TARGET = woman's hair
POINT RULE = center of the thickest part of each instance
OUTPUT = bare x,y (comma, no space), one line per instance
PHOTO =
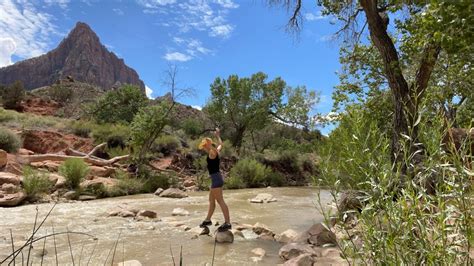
204,141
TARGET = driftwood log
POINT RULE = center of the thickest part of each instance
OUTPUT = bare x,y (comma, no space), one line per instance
73,154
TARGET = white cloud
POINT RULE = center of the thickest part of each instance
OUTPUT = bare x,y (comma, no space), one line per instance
30,29
193,15
197,107
192,47
62,3
226,3
177,56
118,11
148,92
7,48
313,17
221,30
155,3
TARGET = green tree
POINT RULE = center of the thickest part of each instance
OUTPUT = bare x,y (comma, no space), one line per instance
13,95
240,105
426,31
119,105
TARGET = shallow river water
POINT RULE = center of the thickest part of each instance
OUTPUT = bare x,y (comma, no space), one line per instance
150,241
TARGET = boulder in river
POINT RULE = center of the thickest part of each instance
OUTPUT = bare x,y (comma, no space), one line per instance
224,237
318,235
71,195
260,252
260,228
173,193
263,198
158,191
180,212
287,236
87,197
293,250
147,213
302,260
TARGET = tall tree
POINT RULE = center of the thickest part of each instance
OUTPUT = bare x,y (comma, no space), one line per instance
433,27
248,104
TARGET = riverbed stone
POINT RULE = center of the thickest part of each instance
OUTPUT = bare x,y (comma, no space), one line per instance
158,191
180,212
224,237
301,260
126,213
147,213
263,198
9,178
58,180
259,228
12,200
287,236
189,183
173,193
319,235
260,252
71,195
87,197
130,263
293,250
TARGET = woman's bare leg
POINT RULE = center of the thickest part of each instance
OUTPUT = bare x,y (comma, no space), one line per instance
217,194
212,206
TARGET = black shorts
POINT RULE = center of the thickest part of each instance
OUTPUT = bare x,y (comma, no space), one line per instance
216,180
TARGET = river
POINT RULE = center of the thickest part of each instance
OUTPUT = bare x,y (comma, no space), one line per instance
150,241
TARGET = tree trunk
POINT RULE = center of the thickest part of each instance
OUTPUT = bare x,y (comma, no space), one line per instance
406,98
238,138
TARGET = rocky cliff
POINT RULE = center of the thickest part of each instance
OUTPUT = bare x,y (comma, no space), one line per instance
80,55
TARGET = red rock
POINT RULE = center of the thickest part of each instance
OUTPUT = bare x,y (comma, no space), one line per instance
3,158
11,200
80,55
24,152
44,141
9,178
101,171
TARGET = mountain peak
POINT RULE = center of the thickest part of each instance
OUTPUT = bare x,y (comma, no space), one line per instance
80,55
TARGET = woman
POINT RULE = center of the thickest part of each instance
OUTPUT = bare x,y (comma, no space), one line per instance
217,181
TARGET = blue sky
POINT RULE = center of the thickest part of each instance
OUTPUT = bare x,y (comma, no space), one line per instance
204,38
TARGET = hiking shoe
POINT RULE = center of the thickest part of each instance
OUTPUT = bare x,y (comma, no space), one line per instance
205,224
224,227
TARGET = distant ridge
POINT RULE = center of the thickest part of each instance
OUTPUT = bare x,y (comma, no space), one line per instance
80,55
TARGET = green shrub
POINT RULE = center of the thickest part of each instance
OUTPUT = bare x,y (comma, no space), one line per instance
126,185
13,95
155,181
251,173
289,160
192,127
74,170
227,150
167,144
119,105
234,182
276,179
60,93
81,128
110,132
9,141
35,183
203,180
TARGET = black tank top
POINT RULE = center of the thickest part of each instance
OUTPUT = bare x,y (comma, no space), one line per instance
213,164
